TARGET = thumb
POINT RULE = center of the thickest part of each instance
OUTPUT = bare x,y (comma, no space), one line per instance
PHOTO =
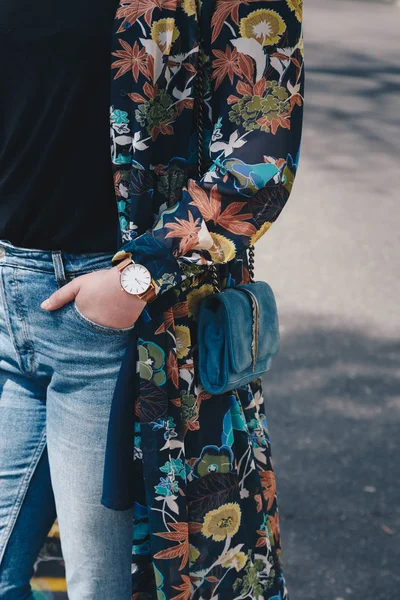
63,295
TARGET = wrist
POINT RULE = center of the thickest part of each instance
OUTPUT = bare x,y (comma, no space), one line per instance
131,299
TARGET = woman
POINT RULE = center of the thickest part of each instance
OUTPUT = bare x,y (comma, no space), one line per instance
203,503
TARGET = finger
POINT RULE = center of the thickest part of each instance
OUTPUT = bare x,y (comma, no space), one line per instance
65,294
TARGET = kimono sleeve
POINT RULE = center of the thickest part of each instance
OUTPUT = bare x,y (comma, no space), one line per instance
253,56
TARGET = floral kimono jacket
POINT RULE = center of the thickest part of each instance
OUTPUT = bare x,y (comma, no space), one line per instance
199,471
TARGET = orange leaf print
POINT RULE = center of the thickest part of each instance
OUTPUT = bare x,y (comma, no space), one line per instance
186,230
244,89
246,67
188,66
180,310
295,99
203,396
193,425
233,222
262,540
180,535
168,317
296,62
181,105
275,528
166,129
282,121
177,311
232,99
137,98
195,527
200,199
133,10
131,59
185,587
215,203
150,90
226,63
259,87
269,487
188,367
172,369
117,180
210,207
223,10
258,500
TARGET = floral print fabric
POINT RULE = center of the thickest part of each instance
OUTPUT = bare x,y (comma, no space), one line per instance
206,519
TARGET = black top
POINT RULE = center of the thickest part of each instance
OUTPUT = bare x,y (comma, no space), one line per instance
56,189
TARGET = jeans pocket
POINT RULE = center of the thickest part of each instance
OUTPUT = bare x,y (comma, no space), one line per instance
76,312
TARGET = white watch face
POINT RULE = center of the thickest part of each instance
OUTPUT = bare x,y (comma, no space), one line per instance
135,279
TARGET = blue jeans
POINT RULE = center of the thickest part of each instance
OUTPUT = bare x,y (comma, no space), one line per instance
58,371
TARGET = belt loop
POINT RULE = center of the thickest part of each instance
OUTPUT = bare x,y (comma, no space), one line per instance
58,267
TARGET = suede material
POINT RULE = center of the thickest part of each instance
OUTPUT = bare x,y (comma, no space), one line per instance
225,337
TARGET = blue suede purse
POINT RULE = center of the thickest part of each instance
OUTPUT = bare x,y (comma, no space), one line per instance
238,334
238,329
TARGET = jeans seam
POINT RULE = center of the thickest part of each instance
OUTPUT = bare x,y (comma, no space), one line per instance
22,491
27,339
58,268
8,323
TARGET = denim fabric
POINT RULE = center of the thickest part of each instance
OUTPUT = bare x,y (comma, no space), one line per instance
58,371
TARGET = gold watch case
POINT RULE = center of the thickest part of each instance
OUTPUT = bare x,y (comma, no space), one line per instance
150,293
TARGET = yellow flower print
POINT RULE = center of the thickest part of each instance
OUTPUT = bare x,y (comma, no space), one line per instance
264,25
196,296
297,6
164,33
222,522
234,559
189,7
263,229
225,248
183,340
193,554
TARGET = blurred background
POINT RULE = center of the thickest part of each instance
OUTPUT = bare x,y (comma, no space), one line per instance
333,259
333,395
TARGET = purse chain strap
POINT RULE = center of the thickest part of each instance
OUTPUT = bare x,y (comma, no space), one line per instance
199,96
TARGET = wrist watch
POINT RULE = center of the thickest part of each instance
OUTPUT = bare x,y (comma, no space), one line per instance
136,280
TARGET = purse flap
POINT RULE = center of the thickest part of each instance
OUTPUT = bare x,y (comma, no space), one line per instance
238,317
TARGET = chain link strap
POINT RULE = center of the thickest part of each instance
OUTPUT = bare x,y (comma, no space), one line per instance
252,255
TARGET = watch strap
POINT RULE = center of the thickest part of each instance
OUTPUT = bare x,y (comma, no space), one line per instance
124,263
150,294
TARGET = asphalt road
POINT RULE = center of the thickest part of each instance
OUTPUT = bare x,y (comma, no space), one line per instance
333,394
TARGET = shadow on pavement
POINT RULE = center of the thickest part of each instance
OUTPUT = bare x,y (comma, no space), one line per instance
333,405
350,96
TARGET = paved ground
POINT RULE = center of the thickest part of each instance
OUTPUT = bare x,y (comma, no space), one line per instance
333,261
